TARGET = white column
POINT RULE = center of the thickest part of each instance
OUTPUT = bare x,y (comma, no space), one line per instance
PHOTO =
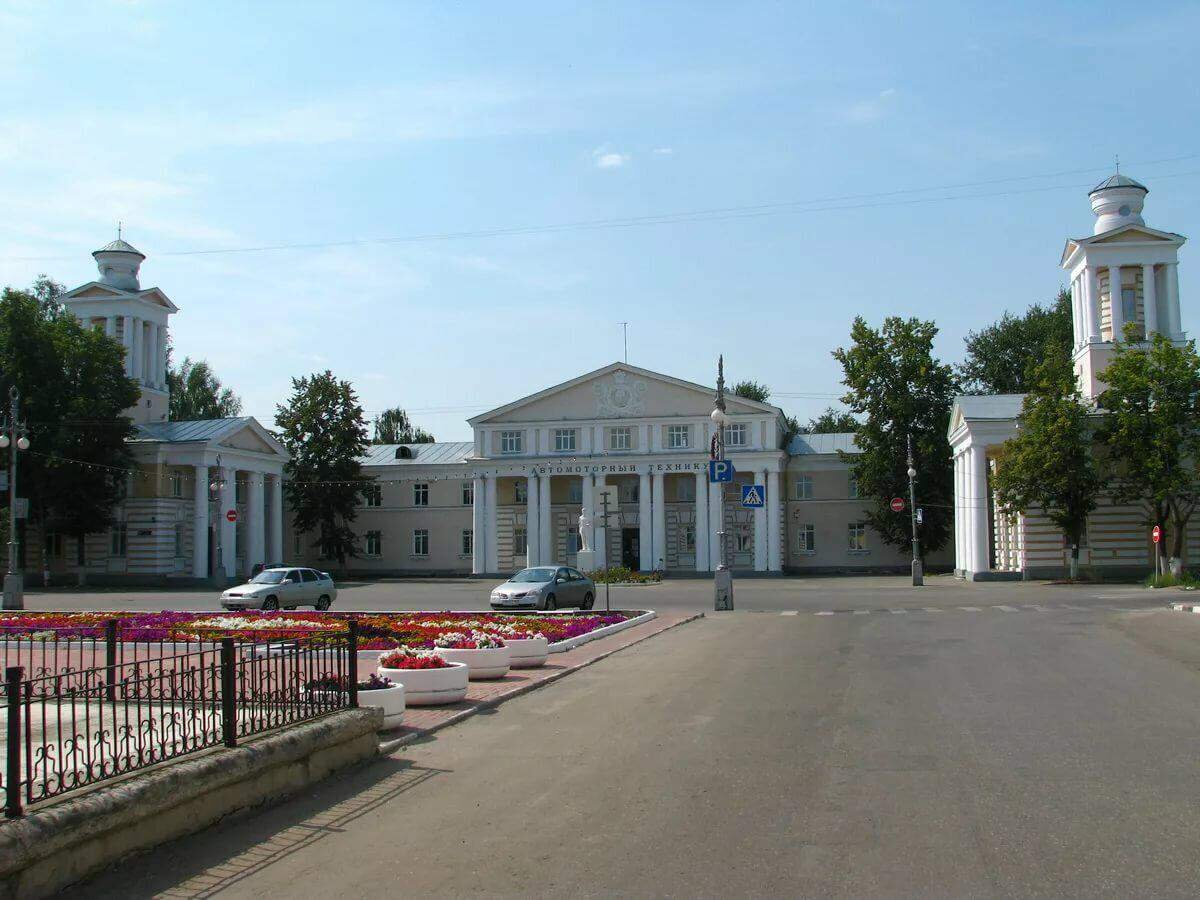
546,546
256,532
491,551
645,524
139,347
160,355
200,522
228,529
701,522
761,540
1149,300
774,538
1077,311
127,343
1091,303
978,496
532,529
478,528
659,511
275,527
1172,285
960,517
110,326
1115,309
586,498
599,532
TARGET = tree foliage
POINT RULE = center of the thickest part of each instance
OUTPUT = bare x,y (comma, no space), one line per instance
894,382
1051,462
832,421
392,426
752,390
1001,358
197,393
73,392
323,428
1151,426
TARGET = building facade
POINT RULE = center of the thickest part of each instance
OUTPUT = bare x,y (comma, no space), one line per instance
1124,285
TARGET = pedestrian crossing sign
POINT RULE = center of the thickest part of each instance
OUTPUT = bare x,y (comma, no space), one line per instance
753,495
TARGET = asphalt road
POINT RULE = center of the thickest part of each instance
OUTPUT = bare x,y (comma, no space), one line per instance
996,751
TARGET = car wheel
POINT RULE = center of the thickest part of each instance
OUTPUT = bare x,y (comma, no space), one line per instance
271,603
324,603
588,601
550,603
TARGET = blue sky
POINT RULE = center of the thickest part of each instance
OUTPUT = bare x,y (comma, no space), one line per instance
215,126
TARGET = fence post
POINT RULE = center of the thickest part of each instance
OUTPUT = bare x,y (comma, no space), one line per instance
110,660
228,693
12,769
352,649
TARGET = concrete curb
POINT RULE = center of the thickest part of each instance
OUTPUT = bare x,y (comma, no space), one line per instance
391,746
1186,607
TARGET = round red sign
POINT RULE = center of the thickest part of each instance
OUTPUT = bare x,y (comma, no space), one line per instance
1156,534
897,504
231,516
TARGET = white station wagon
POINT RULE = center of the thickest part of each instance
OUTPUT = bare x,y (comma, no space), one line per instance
282,588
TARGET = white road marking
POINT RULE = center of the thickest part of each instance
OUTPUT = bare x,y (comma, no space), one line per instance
1006,608
862,612
897,612
970,608
824,612
931,609
790,612
1035,606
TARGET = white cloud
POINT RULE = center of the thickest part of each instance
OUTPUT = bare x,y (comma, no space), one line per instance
607,158
871,110
663,151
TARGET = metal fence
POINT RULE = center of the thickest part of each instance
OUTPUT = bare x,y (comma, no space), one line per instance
78,711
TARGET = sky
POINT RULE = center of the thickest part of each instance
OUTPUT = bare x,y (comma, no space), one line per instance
873,159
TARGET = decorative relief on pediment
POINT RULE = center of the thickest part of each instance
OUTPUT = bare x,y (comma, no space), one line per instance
620,396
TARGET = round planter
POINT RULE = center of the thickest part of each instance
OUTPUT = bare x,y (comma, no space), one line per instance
430,687
528,653
390,700
482,664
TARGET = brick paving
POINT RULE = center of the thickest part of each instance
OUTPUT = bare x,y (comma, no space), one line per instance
421,720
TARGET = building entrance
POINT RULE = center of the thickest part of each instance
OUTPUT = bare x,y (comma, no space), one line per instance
631,548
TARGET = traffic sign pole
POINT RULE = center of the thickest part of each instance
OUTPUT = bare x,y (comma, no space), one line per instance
918,576
1156,536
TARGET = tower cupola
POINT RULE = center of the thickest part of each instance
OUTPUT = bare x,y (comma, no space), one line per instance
118,263
1117,201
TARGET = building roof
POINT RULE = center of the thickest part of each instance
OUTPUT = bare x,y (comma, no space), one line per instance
818,444
989,406
444,453
1118,181
187,432
119,246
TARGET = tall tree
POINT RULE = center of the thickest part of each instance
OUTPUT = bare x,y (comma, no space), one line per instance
73,393
392,426
197,393
752,390
1002,357
323,428
1051,462
894,381
832,421
1151,426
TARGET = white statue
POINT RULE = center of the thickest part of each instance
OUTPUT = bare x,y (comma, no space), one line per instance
585,528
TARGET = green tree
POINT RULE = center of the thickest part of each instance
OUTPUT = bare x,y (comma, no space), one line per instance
197,393
74,392
392,426
752,390
1151,428
896,384
1051,462
832,421
323,428
1002,357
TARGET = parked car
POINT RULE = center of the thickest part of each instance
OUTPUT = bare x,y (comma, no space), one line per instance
545,587
283,587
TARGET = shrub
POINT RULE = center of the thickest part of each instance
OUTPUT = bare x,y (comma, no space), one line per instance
1186,580
624,575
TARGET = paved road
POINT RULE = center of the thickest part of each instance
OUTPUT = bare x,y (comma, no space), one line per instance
950,753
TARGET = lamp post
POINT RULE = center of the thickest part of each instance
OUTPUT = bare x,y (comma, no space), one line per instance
918,576
723,576
13,436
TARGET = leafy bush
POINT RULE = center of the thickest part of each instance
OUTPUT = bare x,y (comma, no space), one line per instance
624,575
1186,580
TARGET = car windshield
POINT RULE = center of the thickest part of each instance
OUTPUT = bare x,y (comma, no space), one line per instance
533,576
268,577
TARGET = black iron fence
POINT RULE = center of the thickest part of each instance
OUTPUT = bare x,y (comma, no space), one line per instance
78,711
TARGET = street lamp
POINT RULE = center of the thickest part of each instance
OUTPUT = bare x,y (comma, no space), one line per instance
13,437
723,576
918,576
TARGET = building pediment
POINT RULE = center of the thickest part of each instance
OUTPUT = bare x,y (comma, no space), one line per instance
618,391
249,439
94,290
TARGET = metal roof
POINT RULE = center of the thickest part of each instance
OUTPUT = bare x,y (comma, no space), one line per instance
822,444
186,432
990,406
119,246
440,454
1118,181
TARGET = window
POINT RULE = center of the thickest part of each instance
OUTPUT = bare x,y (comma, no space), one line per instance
685,488
857,534
374,543
421,542
572,541
628,491
521,491
804,487
239,490
687,538
853,488
806,538
178,539
1128,304
511,442
678,437
176,484
118,540
54,546
574,491
564,440
420,494
745,541
307,576
468,493
620,438
373,494
520,541
468,542
735,435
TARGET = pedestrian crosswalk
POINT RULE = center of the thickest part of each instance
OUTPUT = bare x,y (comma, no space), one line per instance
1000,608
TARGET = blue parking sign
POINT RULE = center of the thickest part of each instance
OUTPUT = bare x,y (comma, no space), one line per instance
720,471
754,495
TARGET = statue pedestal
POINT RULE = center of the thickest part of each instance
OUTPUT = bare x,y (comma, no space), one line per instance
585,560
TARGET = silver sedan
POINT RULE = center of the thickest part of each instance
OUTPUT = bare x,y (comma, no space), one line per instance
545,587
283,587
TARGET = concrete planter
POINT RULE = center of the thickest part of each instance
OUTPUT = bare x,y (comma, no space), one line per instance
431,687
390,700
483,665
528,653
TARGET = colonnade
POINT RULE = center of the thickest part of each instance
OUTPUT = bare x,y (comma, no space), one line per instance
263,520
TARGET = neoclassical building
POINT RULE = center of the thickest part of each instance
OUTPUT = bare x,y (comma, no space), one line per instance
1124,272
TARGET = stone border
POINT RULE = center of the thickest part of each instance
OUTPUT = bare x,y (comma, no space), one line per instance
572,643
1186,607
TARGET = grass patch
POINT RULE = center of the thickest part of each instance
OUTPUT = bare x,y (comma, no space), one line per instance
1187,580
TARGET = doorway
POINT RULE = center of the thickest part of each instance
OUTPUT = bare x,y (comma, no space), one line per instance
630,548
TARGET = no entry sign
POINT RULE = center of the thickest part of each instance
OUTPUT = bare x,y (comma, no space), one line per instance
231,516
1156,534
897,504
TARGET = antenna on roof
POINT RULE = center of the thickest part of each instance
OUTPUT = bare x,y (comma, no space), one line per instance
625,332
118,229
1117,161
